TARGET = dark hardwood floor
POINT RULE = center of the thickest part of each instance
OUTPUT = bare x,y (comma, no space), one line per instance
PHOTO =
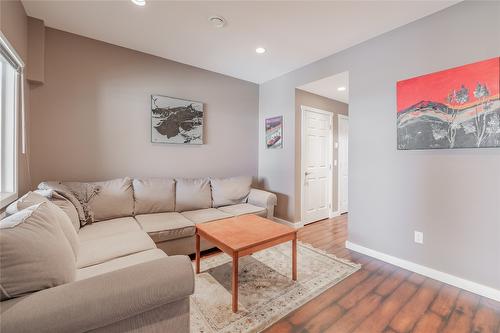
384,298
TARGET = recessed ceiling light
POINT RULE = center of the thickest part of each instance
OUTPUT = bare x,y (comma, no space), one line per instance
139,2
260,50
217,21
341,88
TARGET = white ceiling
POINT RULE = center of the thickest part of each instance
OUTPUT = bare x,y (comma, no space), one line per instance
327,87
295,33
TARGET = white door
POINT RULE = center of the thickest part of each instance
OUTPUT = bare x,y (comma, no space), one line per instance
316,164
343,166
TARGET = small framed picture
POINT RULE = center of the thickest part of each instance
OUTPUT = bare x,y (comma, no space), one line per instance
274,132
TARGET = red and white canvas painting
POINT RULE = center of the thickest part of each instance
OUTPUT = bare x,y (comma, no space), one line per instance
454,108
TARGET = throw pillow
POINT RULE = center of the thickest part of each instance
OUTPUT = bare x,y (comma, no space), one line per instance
34,252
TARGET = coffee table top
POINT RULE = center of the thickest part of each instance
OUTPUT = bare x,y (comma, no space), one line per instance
241,232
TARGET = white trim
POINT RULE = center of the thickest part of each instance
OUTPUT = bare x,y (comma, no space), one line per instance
19,104
4,42
334,214
296,225
23,113
303,109
456,281
338,159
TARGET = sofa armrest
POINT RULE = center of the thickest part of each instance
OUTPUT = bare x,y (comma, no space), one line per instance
101,300
263,199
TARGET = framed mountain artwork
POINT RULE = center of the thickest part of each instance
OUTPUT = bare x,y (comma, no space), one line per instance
176,120
454,108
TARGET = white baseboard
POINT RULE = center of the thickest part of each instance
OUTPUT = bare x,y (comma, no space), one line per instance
334,214
429,272
296,225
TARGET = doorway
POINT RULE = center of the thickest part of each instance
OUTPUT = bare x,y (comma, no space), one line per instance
322,154
316,164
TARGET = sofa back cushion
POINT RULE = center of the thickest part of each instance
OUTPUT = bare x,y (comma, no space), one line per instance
34,252
112,198
230,191
154,195
34,198
191,194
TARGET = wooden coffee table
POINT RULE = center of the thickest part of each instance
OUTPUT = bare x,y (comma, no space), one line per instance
243,235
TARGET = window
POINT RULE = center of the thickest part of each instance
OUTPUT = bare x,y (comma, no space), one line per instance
10,101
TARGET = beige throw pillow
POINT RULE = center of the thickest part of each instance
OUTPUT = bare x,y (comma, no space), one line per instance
33,198
230,191
34,252
191,194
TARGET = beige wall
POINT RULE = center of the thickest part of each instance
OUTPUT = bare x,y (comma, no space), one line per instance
36,50
91,117
318,102
14,26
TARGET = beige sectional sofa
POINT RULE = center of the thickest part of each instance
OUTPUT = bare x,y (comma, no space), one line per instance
130,272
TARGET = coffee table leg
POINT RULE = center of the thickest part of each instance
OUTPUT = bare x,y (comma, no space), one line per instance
197,253
235,282
294,258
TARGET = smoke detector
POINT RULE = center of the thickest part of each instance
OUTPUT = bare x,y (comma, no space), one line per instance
217,21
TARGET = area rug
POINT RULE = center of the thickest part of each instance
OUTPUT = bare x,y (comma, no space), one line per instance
266,290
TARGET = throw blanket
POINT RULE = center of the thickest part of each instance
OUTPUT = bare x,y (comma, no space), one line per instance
79,194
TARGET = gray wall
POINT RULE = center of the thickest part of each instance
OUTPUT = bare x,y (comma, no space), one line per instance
326,104
92,115
453,196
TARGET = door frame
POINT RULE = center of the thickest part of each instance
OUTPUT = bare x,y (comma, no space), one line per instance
304,109
344,117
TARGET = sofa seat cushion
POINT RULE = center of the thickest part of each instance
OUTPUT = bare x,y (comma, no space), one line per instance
119,263
205,215
242,209
166,226
108,228
96,251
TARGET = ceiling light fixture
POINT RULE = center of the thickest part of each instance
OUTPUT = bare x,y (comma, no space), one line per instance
260,50
217,21
341,88
139,2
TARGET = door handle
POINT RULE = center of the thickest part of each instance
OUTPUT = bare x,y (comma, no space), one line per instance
307,173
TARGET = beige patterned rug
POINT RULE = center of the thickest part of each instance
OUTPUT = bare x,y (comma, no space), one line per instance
266,290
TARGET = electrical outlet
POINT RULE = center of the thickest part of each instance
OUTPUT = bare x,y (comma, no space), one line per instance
419,237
